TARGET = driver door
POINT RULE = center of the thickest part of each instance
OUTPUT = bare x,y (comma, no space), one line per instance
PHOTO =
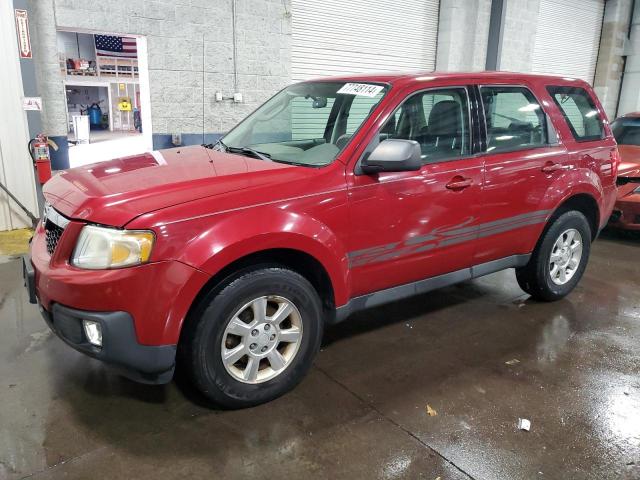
408,226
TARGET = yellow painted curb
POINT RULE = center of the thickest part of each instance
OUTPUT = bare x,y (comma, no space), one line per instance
15,242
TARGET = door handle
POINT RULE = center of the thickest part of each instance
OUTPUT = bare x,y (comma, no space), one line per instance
552,167
459,183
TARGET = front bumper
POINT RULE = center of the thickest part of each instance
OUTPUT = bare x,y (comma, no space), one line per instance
153,364
140,309
120,349
626,214
157,295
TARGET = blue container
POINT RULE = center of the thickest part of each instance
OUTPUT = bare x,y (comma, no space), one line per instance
95,116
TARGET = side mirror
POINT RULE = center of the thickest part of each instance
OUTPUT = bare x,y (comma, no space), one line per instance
393,155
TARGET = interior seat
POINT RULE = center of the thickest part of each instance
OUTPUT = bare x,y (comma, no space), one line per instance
516,135
342,140
389,129
443,132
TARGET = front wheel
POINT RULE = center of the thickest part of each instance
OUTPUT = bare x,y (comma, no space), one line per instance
559,260
254,338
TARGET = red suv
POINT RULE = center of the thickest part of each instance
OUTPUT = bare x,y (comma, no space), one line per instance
335,195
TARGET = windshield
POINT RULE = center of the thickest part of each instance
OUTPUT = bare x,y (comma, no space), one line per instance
307,123
627,131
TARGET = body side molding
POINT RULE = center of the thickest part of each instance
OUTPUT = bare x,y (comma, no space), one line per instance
422,286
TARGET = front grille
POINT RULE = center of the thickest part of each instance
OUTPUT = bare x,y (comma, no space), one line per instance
54,225
52,234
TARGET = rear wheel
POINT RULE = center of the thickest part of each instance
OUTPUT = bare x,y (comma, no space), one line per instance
559,260
254,338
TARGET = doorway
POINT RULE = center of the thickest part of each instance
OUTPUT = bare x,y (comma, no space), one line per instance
107,95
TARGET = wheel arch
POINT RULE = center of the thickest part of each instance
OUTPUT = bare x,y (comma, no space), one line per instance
298,261
221,246
584,203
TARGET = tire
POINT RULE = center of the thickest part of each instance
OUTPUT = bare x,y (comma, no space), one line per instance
242,384
543,279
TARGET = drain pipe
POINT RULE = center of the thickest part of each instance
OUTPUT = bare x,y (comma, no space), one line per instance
630,91
235,47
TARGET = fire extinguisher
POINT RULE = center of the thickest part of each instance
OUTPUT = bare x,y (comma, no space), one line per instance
39,151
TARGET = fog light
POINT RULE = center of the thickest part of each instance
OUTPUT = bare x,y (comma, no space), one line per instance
93,331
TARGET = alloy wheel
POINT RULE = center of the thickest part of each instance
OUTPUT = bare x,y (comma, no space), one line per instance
261,339
565,256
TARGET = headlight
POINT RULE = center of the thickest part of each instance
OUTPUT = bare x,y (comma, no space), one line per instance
101,248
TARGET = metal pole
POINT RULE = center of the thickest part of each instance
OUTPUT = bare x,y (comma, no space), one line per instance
34,220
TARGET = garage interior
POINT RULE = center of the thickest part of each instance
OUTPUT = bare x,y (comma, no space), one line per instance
471,381
102,94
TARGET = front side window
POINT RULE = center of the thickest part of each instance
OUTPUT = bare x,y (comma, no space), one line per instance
627,131
579,111
437,119
514,119
307,123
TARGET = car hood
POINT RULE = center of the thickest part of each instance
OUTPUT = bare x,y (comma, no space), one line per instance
117,191
630,164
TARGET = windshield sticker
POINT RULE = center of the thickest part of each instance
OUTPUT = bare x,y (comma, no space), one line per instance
363,89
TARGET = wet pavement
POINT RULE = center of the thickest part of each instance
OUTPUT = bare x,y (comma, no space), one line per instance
573,370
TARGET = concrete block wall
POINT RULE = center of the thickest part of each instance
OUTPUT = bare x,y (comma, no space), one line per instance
45,56
190,54
610,66
630,92
463,33
518,35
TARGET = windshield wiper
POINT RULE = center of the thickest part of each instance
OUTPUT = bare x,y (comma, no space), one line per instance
297,164
248,150
240,150
212,146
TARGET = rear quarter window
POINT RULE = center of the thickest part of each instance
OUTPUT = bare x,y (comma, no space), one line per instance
579,112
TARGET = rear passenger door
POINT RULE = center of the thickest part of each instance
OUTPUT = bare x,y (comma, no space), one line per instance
522,154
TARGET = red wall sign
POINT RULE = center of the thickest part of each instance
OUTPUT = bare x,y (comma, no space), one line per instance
22,29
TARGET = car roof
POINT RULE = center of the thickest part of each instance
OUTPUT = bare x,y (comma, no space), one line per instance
407,78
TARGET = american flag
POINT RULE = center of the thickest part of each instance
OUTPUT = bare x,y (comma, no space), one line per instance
111,46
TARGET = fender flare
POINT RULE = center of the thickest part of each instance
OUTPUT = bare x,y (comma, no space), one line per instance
568,185
242,233
577,182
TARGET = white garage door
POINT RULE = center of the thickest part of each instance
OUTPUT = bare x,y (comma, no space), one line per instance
333,37
568,38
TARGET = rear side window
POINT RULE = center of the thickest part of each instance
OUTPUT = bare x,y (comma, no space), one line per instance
579,111
514,119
